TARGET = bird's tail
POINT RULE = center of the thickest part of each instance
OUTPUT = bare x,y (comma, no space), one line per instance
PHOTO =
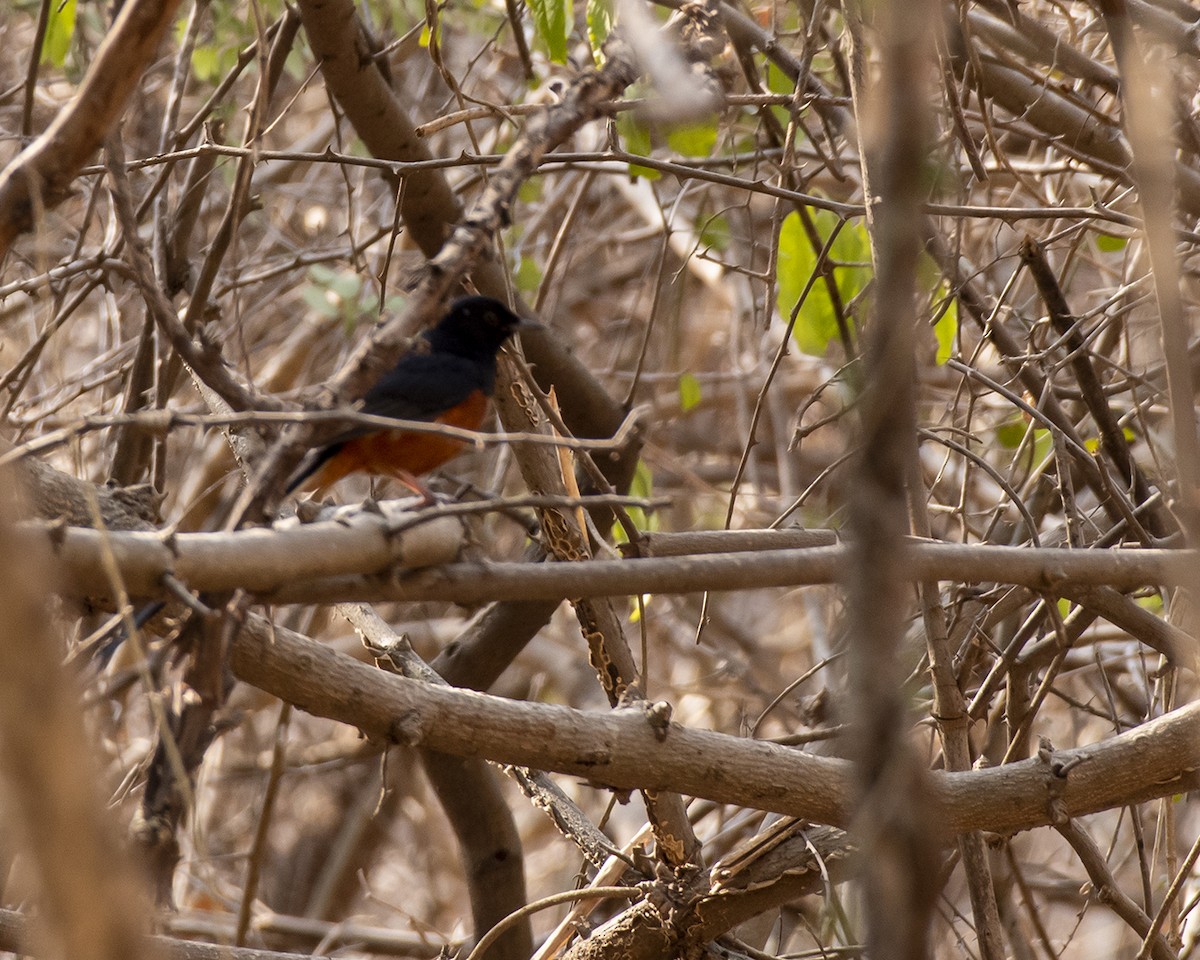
312,462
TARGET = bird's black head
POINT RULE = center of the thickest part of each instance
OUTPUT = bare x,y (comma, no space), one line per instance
474,327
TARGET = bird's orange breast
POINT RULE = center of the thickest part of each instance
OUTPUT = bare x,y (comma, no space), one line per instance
402,453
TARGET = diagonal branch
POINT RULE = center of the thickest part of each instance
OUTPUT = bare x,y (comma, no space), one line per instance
40,177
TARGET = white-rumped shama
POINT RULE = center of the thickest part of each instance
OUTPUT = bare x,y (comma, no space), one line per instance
447,377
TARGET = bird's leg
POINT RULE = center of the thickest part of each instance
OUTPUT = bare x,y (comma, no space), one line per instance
428,497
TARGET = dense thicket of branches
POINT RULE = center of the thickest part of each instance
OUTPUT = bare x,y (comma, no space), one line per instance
872,320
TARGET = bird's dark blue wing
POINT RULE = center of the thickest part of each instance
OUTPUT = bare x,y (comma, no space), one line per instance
424,386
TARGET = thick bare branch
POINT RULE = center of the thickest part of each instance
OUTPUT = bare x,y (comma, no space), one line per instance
211,561
624,750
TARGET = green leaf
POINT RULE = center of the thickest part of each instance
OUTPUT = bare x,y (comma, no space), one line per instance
778,81
59,30
946,329
694,139
1107,243
637,515
334,293
1010,433
636,608
1152,602
637,170
529,275
689,392
206,62
642,486
929,274
816,324
317,299
636,137
552,21
599,25
347,285
715,233
1043,445
530,191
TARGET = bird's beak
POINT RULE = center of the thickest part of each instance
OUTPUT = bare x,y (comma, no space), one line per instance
530,325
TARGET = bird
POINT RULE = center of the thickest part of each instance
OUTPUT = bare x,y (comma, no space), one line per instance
448,378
